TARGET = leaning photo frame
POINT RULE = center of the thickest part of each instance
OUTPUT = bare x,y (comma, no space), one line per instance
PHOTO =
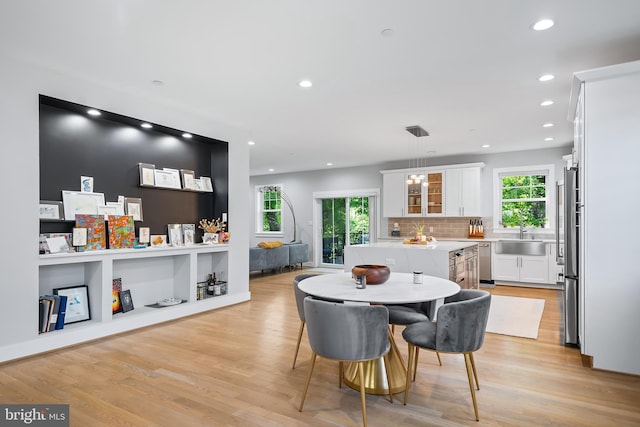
51,210
78,309
133,207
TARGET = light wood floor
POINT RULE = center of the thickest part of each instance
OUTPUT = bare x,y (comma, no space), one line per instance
233,367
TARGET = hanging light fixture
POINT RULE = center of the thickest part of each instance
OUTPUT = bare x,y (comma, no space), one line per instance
418,132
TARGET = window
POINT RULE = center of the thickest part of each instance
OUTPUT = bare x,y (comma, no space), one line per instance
269,209
524,197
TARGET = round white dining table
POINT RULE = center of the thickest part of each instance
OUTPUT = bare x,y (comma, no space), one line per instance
398,289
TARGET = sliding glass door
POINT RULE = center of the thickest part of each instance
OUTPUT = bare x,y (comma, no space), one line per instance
345,221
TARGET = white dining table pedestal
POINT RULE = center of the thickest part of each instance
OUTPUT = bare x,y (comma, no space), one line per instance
399,289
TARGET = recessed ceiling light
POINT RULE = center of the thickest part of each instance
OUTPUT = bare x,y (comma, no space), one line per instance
187,135
543,24
546,77
146,125
157,82
548,139
329,164
271,169
305,83
93,112
251,143
546,103
547,125
387,32
486,146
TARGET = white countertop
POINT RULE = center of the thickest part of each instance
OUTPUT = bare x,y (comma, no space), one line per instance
447,246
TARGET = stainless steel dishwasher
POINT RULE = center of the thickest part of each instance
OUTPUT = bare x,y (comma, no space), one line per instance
485,263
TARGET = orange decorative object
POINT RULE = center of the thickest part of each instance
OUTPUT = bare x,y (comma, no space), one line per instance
376,274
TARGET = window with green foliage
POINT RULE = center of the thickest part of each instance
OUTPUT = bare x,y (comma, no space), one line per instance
269,209
524,195
524,199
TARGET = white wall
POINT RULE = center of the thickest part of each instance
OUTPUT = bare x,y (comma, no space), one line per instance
301,185
20,85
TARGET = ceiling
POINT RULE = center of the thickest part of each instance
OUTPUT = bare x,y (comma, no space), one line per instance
464,70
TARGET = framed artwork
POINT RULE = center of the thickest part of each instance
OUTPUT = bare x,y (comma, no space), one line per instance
210,238
147,176
78,309
206,184
175,234
81,203
144,234
188,179
96,232
189,234
158,240
133,207
51,211
107,210
121,232
198,184
86,184
57,244
125,301
116,288
119,207
167,179
79,237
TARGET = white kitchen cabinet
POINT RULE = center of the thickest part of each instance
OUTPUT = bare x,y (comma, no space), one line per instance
393,189
463,190
520,268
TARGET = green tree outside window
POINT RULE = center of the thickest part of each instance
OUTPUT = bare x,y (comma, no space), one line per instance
524,200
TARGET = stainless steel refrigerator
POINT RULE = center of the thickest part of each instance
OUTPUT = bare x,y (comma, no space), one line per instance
567,244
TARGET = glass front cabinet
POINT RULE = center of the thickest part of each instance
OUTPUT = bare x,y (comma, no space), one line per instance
423,195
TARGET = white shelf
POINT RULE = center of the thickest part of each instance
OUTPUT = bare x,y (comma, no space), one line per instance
151,274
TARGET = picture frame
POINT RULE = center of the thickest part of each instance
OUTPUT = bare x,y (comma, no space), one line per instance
119,207
86,184
78,308
116,288
147,174
198,186
57,244
175,234
79,237
188,179
144,234
158,240
51,210
126,301
210,238
206,184
188,234
167,178
133,207
107,210
78,202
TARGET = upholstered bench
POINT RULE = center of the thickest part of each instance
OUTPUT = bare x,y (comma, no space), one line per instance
275,258
298,253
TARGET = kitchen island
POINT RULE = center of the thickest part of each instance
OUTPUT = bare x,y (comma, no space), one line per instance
456,261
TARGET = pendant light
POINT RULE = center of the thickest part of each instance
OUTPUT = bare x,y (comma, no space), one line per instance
418,132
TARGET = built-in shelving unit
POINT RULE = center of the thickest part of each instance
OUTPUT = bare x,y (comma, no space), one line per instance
152,274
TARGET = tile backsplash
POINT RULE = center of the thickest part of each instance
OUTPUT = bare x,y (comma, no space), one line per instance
451,227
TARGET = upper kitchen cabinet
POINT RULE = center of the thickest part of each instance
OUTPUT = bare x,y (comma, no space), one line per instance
426,192
463,191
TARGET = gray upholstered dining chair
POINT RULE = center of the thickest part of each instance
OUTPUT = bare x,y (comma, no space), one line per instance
347,333
300,296
460,328
407,314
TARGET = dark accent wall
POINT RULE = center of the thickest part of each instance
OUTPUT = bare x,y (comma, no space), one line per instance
109,148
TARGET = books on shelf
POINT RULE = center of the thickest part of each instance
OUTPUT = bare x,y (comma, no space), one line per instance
53,309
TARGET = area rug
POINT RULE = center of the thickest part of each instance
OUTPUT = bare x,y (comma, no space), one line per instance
515,316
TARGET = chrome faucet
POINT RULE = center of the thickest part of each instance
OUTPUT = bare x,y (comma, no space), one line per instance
522,230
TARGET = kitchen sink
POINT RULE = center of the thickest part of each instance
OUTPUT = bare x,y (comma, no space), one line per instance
521,247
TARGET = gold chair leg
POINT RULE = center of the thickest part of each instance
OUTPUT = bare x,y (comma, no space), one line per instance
393,328
362,394
467,362
475,373
412,349
295,356
415,362
340,373
306,386
439,361
386,371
